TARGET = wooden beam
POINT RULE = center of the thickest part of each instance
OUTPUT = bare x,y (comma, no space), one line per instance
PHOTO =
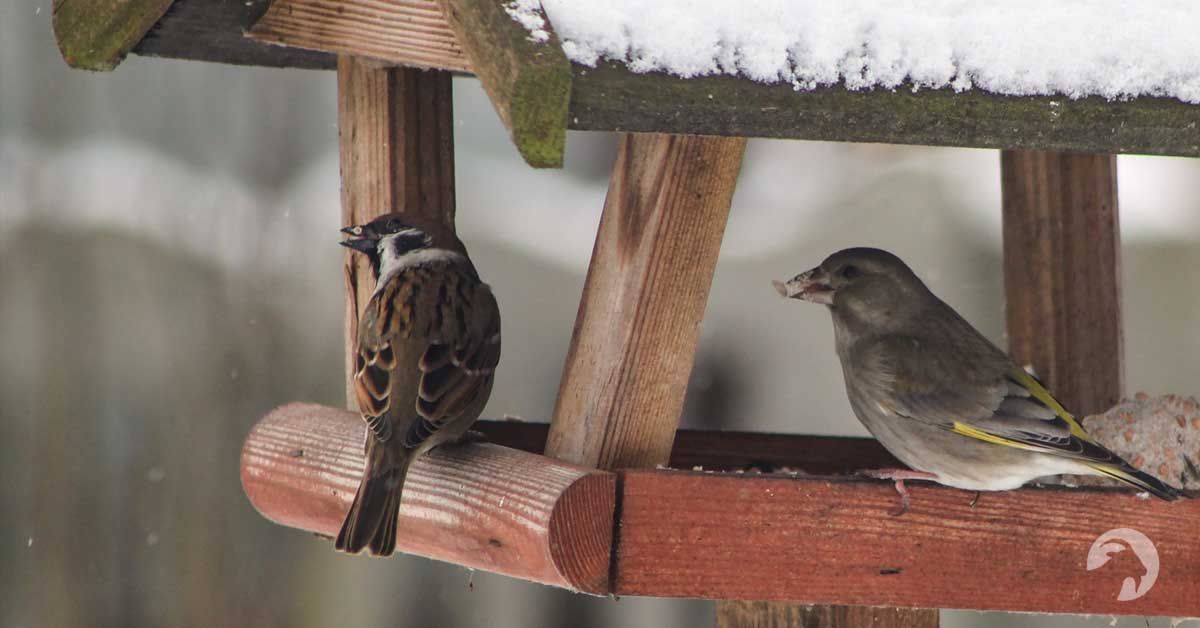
611,98
779,615
807,540
212,30
396,142
528,79
97,35
411,33
828,541
479,505
730,451
639,318
1062,273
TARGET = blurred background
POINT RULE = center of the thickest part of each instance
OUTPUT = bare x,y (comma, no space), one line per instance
169,271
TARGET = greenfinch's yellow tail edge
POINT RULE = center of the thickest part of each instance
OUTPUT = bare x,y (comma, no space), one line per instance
1138,479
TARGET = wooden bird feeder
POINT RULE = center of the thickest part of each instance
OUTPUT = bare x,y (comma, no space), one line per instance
584,504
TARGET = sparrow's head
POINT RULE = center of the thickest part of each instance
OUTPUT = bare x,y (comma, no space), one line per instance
868,285
393,237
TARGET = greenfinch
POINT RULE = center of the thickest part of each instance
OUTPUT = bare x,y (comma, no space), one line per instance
939,395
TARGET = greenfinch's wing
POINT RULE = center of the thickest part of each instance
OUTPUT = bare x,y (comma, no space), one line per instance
974,391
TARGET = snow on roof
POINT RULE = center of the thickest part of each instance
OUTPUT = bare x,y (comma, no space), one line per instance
1112,48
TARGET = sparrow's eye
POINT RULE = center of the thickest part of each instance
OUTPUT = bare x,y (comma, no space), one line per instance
850,271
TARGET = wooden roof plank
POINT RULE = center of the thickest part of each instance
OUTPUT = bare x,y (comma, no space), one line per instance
97,35
528,81
413,33
212,30
612,98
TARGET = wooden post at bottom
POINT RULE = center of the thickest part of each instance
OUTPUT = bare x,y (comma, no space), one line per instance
778,615
639,318
1062,273
396,144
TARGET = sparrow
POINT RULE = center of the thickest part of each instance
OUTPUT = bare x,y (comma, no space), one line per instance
427,348
939,395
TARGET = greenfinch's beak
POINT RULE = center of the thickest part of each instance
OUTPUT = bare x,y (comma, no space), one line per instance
812,286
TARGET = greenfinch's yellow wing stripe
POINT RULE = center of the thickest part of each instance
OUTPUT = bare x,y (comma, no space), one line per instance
1040,393
973,432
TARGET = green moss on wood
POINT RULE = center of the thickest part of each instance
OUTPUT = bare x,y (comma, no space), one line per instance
96,34
528,82
611,98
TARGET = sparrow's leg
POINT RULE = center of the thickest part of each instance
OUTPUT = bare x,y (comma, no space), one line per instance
975,499
899,476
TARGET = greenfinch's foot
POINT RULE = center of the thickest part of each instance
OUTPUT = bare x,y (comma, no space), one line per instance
899,476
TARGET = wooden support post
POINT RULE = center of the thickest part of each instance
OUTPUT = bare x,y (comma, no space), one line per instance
1062,273
396,136
479,505
639,318
777,615
741,614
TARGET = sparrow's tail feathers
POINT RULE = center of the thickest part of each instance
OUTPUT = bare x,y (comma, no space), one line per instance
371,523
1133,477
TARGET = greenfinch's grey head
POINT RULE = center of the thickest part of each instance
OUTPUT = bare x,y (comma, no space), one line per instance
867,286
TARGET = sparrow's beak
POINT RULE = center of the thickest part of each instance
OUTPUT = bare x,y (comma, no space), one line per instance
358,241
812,286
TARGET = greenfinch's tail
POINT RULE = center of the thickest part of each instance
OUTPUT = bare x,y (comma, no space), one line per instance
1144,481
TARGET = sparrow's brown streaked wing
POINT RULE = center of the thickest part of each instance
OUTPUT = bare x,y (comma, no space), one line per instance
454,374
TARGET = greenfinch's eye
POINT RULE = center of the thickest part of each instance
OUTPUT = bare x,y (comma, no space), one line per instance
850,272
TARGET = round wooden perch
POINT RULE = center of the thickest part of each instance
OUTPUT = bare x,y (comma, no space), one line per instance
478,505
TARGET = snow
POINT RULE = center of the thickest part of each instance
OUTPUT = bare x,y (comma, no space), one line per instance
526,12
1117,49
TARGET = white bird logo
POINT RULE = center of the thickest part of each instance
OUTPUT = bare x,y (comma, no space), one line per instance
1117,540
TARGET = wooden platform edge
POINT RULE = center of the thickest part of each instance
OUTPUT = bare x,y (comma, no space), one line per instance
97,35
832,541
478,505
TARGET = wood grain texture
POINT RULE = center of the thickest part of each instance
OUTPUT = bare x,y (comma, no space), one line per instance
396,145
211,30
781,615
412,33
828,541
97,35
527,80
479,505
639,317
1062,269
